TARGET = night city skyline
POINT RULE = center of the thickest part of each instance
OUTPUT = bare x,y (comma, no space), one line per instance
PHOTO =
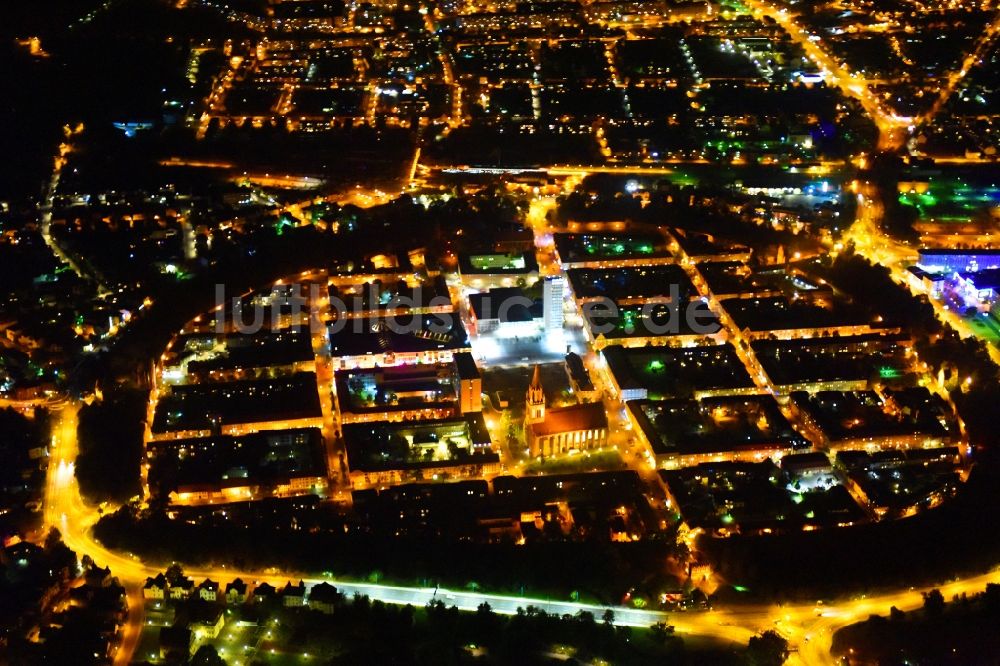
521,332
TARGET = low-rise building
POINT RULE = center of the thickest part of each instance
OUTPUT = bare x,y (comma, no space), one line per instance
208,590
410,392
263,593
611,249
237,407
666,372
155,588
223,468
440,449
324,598
865,420
505,311
176,643
579,379
685,432
236,591
207,620
498,269
181,589
938,260
377,341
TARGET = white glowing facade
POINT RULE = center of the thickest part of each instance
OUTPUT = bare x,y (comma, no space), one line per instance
552,301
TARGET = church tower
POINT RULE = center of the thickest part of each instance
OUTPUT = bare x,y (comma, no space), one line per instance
534,405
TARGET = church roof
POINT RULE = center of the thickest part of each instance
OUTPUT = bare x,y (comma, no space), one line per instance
588,416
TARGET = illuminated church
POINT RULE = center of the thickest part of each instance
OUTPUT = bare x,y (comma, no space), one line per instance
557,431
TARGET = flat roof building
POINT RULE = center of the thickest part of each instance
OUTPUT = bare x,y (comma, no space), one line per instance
238,407
223,468
403,338
439,450
667,372
557,431
470,392
506,311
958,261
498,269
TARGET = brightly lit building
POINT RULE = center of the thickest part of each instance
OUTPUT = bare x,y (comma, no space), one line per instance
397,340
498,269
506,312
563,430
552,303
976,290
959,261
409,392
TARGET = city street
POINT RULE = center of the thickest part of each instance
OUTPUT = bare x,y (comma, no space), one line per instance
472,91
808,628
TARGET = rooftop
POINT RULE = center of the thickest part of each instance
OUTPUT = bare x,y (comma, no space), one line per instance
206,353
585,416
677,372
404,387
267,456
596,247
781,313
706,246
382,295
651,320
849,358
736,496
466,366
401,334
497,263
508,304
415,445
726,278
713,425
203,406
848,415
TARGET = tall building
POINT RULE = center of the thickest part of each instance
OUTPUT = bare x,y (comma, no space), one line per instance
552,303
470,384
534,405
